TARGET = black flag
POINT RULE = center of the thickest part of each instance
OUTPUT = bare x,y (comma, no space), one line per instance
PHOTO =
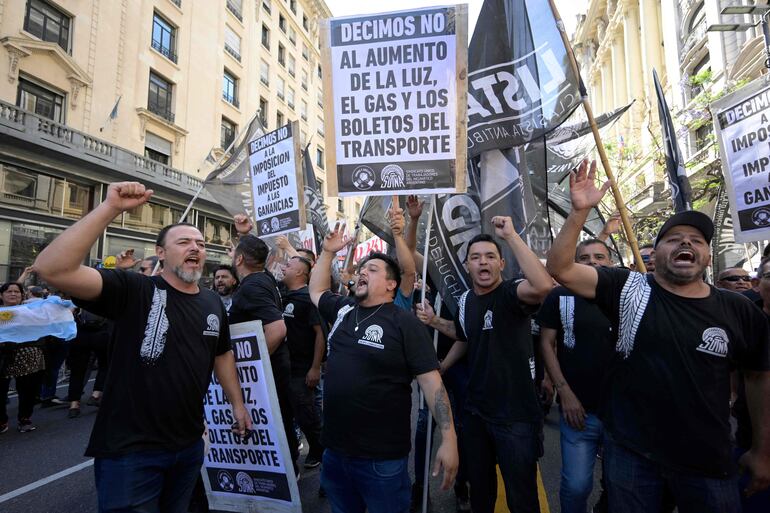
681,192
314,202
520,84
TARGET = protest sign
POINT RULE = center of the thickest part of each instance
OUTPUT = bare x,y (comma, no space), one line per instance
276,182
256,473
307,238
395,101
373,244
742,125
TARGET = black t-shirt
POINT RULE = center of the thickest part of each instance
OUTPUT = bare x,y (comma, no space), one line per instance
501,357
744,431
258,299
164,345
669,386
300,316
369,371
585,343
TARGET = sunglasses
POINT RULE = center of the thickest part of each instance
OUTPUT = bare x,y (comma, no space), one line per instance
738,278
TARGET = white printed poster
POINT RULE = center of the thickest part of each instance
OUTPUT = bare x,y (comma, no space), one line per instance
742,124
396,102
254,474
276,182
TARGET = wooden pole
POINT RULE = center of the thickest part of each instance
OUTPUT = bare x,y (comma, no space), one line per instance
429,433
619,203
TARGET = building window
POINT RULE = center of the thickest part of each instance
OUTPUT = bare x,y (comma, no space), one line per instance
157,149
163,37
320,73
292,36
340,205
304,80
290,97
234,6
228,131
293,6
48,23
305,52
41,101
282,23
305,22
281,55
230,88
702,136
232,43
265,36
319,158
320,126
320,186
281,89
278,119
266,6
292,65
40,193
159,98
320,98
303,110
263,111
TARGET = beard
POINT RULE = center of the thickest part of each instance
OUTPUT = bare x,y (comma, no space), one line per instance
681,277
223,290
187,276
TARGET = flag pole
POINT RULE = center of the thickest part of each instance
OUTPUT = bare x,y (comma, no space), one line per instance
429,434
427,245
621,205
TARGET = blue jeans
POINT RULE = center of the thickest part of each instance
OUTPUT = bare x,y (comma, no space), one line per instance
148,481
578,454
354,485
516,448
635,485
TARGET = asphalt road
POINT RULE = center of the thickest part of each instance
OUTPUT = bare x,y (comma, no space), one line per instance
45,471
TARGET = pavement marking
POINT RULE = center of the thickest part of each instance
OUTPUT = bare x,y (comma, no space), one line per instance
502,507
42,482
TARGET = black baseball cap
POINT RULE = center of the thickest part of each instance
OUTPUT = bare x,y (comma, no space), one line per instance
697,220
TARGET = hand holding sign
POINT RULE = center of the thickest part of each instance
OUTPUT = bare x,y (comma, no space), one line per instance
242,420
414,207
242,224
397,221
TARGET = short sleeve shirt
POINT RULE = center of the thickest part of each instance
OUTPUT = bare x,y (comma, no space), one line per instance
669,387
369,371
300,316
501,357
585,343
164,345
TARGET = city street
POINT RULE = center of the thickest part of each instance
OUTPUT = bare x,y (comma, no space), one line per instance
45,471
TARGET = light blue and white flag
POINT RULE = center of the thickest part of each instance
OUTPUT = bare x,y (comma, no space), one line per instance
30,321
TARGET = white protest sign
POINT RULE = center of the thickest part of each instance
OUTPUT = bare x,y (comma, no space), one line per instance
396,101
276,182
373,244
307,238
742,124
255,474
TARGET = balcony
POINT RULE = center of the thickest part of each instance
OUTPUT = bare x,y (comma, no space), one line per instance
164,112
234,8
164,51
233,53
694,39
27,131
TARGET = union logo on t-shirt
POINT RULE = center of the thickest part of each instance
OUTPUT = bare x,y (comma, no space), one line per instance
487,320
715,342
373,337
213,326
289,311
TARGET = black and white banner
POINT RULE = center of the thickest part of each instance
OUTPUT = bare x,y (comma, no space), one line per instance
255,474
276,182
520,85
742,125
395,101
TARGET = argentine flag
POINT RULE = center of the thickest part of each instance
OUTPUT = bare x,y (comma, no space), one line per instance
30,321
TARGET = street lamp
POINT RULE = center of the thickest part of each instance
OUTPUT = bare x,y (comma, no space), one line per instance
763,11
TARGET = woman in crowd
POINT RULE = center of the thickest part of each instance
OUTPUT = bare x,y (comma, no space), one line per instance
22,362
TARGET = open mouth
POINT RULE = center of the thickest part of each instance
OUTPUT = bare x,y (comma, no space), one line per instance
684,256
484,274
192,260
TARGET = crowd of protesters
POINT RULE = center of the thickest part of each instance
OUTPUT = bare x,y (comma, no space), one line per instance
647,368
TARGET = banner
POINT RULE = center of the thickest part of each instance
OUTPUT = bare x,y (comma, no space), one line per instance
725,252
306,239
742,126
395,101
679,184
255,474
276,178
519,84
315,210
373,244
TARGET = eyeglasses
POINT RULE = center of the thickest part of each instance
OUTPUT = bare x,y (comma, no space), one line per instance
738,278
144,269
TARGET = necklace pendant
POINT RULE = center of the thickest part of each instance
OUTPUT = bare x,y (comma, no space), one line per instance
355,329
